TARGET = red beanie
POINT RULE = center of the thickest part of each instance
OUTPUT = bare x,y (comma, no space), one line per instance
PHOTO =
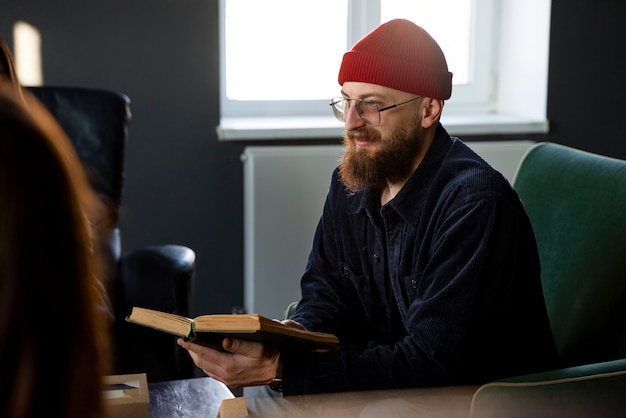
400,55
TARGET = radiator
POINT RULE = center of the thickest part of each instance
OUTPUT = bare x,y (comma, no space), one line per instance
284,191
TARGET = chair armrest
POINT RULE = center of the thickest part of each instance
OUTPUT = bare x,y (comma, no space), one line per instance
588,390
158,277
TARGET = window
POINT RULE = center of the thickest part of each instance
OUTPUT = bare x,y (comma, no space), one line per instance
279,59
27,54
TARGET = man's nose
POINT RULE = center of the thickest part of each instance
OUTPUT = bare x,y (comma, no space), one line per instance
353,120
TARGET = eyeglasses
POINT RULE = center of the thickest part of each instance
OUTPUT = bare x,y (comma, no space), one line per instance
367,110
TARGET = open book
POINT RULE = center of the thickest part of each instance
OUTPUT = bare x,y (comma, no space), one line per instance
210,330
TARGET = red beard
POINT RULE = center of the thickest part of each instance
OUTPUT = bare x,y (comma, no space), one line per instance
385,159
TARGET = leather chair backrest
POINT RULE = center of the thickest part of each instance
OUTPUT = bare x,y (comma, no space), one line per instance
96,121
159,276
577,205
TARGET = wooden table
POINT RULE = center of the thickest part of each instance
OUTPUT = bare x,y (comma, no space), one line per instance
202,397
442,402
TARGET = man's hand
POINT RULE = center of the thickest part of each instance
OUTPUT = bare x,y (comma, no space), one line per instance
245,363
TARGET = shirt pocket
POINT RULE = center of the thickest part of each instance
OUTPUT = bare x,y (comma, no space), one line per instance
361,293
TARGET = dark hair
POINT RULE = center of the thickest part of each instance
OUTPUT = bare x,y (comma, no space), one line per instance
54,344
7,67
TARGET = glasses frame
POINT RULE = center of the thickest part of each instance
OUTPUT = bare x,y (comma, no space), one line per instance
341,115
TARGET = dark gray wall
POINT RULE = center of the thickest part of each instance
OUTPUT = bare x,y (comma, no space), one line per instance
587,89
183,186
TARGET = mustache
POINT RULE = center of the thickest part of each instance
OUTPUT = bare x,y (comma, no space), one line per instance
364,132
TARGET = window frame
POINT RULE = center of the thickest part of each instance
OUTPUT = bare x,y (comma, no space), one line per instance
468,112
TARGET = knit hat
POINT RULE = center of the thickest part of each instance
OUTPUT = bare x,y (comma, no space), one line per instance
400,55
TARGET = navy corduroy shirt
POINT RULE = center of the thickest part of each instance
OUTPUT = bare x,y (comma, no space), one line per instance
440,286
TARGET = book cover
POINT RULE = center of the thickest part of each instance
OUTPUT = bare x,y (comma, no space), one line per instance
210,330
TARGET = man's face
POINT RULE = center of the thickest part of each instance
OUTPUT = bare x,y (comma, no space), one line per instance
374,155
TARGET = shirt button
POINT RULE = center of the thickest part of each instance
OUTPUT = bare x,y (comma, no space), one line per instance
375,258
346,271
414,283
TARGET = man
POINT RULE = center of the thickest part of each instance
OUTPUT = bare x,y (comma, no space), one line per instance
424,262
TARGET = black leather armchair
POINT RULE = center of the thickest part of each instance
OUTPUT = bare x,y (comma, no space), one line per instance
157,277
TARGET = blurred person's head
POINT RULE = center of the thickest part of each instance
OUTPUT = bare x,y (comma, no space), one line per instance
53,338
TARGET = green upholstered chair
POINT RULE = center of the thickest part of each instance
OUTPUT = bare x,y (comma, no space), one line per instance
576,201
577,204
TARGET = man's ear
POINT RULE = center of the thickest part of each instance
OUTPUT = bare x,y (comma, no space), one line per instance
432,112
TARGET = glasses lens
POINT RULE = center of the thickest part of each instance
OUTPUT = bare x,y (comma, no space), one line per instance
337,103
368,112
